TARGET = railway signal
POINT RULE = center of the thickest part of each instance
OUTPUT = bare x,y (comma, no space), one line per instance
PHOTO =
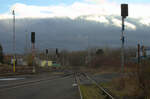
124,14
57,52
46,51
47,56
14,42
33,49
124,10
33,37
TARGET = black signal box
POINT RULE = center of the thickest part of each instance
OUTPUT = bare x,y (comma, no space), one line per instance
33,37
46,51
124,10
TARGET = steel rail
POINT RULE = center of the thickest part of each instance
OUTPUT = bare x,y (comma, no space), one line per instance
100,87
78,83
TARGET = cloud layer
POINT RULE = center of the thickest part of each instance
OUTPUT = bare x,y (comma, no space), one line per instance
64,33
67,26
96,10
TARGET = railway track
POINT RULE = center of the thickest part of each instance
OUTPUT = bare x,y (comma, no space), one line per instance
32,82
80,77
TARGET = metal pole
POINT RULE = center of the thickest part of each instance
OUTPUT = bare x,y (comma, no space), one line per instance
47,58
63,58
26,41
33,57
139,54
122,46
14,42
89,57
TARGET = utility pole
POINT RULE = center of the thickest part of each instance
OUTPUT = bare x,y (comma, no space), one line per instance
124,14
14,42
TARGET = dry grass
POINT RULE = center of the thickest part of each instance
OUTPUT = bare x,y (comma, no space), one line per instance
134,84
90,92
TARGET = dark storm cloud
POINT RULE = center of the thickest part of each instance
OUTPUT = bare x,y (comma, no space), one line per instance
65,33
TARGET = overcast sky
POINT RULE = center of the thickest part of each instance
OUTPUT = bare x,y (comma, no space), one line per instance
138,9
98,14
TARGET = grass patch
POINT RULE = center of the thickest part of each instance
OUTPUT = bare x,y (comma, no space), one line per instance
91,92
